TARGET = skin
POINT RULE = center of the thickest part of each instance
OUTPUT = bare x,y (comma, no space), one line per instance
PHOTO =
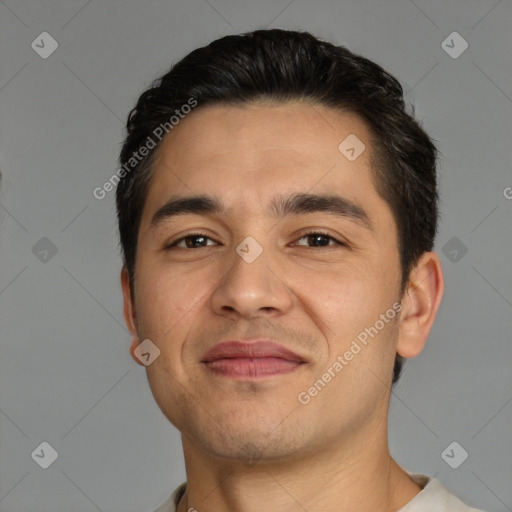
251,445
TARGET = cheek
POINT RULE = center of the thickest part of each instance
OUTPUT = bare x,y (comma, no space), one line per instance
164,299
348,304
343,297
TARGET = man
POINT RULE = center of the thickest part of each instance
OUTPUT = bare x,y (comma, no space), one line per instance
277,212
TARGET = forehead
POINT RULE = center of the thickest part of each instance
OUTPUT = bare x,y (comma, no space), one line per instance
246,154
256,134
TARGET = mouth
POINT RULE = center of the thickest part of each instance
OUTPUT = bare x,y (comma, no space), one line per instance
243,360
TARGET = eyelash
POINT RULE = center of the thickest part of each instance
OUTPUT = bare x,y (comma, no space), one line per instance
310,233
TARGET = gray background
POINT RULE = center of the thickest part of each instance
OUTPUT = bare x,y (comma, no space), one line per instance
66,376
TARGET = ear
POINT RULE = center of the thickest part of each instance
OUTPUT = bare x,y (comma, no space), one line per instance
129,313
420,303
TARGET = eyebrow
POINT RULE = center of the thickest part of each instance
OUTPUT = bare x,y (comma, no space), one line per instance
281,205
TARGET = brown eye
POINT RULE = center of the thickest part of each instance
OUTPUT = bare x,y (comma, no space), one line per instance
318,239
193,241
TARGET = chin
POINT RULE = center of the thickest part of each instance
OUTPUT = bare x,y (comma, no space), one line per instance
249,443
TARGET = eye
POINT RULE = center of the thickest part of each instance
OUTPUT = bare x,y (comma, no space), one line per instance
192,241
198,240
319,239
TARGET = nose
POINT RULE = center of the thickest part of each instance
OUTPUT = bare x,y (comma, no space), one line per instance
251,290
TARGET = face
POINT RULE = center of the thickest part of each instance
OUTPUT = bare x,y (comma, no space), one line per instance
312,279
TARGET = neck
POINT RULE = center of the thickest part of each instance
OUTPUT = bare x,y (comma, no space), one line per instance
357,475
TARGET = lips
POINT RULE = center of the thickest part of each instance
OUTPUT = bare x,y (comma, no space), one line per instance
251,360
256,349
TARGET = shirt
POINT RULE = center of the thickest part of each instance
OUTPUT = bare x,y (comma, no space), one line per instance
432,498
